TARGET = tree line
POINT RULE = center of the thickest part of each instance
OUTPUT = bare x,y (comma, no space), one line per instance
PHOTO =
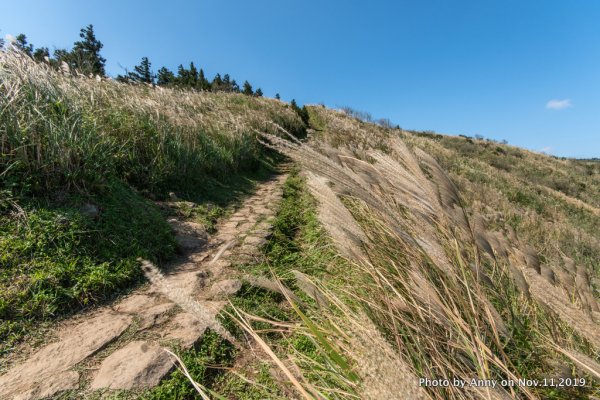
85,58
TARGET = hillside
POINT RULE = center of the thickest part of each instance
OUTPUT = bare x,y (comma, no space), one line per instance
336,258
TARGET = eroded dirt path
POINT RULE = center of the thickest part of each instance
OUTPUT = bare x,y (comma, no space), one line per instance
121,346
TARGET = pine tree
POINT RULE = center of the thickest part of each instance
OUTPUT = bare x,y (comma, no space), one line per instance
202,81
41,54
21,44
182,76
142,73
165,77
193,76
302,112
304,115
60,56
85,55
217,83
235,88
277,96
247,90
258,93
227,83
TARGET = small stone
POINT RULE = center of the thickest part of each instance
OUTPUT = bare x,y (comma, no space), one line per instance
198,258
145,307
138,365
226,254
264,226
225,288
190,236
134,303
63,381
261,233
261,210
221,263
247,249
154,315
227,236
186,281
230,225
253,219
548,274
186,329
245,227
255,241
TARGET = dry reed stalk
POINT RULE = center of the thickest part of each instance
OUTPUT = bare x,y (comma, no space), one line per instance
336,218
309,392
384,375
559,304
201,312
189,377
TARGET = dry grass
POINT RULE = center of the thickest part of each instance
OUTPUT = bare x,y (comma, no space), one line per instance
454,263
448,291
60,130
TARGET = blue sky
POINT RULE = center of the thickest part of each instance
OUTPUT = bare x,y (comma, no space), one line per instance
524,71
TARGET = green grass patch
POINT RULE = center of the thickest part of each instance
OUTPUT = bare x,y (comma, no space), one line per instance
55,259
259,386
298,240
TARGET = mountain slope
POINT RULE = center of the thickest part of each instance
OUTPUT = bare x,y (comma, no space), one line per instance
411,258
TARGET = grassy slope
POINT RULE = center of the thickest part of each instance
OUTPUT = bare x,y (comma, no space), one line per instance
526,197
537,194
71,142
68,143
528,191
299,242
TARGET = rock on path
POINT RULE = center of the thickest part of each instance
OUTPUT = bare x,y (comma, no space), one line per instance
47,371
138,361
138,365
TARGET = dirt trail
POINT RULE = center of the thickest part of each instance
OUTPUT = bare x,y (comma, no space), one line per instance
121,346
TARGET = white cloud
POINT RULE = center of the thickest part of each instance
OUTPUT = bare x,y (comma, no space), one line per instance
559,104
10,38
545,150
